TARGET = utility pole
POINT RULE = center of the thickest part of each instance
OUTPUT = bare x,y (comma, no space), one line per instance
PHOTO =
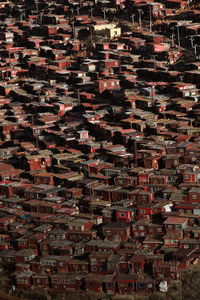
178,35
154,63
91,11
135,153
104,13
133,19
78,10
6,70
192,41
120,66
152,94
91,37
140,21
180,281
79,98
73,29
41,15
34,133
172,36
195,49
7,78
36,4
150,18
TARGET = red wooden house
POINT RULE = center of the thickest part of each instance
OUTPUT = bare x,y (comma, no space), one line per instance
117,231
190,244
172,239
94,283
151,244
145,210
143,178
59,263
184,257
117,263
172,224
24,280
77,236
124,214
30,241
25,255
137,263
78,266
5,281
140,229
6,221
152,162
167,269
171,161
107,84
194,195
62,282
109,284
98,262
40,281
125,283
107,246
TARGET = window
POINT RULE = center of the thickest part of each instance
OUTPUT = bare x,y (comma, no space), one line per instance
22,243
108,232
21,281
130,284
158,270
170,226
141,227
178,227
110,285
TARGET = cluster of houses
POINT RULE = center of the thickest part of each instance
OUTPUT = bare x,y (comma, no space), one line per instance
99,144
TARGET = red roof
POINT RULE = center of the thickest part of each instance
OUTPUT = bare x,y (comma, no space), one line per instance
175,220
